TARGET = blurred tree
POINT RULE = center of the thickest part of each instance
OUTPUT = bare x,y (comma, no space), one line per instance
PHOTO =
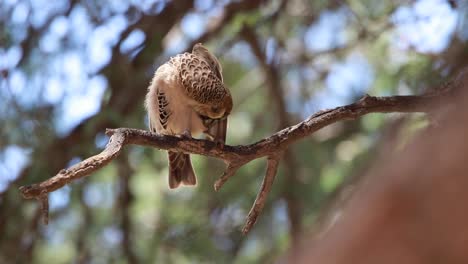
70,69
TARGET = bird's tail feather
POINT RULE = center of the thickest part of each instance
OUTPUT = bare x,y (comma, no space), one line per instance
180,170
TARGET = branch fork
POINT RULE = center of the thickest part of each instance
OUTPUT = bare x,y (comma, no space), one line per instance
234,156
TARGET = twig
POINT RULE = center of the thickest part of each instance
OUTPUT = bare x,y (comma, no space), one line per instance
272,167
229,172
272,75
234,156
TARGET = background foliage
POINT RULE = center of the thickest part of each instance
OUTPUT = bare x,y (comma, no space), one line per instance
70,69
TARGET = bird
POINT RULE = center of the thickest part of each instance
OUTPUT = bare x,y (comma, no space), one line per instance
187,97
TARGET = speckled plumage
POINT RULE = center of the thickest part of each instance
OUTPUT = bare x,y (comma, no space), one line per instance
199,80
187,97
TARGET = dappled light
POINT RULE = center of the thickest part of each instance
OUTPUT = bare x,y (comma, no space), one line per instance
335,106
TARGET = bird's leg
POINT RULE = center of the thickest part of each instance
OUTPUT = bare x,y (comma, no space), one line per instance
218,141
186,123
209,135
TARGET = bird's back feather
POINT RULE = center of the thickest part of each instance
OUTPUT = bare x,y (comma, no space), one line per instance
199,80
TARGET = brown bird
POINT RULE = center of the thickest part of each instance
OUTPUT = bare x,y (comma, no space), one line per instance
187,97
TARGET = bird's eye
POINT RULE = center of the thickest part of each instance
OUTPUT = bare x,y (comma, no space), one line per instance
215,109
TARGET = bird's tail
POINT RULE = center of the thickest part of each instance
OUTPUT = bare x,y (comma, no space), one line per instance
180,170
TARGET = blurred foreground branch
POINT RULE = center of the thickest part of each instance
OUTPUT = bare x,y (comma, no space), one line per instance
408,207
234,156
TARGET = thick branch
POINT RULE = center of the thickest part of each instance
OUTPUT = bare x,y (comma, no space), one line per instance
234,156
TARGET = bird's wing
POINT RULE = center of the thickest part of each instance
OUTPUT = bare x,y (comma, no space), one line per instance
200,82
164,112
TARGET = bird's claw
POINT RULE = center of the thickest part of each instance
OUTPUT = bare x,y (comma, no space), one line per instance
186,134
209,136
218,142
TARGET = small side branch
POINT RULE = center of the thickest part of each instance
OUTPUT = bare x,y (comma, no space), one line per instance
228,173
235,156
77,171
272,167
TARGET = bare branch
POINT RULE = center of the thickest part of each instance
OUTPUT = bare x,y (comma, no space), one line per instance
272,167
271,71
234,156
228,173
79,170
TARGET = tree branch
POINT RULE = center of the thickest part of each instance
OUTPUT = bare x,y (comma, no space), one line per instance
234,156
272,167
271,71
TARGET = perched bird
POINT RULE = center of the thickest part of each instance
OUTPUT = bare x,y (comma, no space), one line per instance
187,97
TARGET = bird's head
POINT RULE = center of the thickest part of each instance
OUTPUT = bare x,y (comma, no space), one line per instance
221,110
216,110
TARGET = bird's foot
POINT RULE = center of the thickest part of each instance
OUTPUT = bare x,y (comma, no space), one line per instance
186,134
219,143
